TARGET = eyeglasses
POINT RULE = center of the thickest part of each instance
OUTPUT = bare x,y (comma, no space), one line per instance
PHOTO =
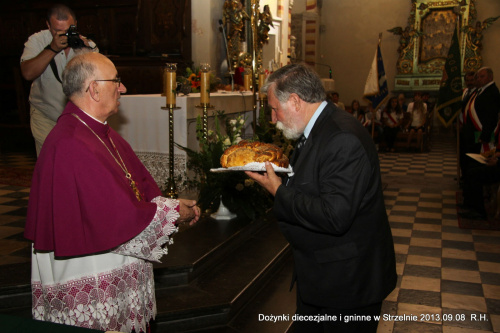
117,80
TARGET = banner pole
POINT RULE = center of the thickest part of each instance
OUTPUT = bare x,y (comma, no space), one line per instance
458,152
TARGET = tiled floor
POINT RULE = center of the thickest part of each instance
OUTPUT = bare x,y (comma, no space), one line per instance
449,278
13,204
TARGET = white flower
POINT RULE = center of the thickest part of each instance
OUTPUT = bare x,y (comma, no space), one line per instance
232,122
82,313
227,142
237,140
111,307
234,128
242,121
38,312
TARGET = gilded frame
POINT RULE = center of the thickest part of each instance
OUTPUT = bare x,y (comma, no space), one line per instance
424,43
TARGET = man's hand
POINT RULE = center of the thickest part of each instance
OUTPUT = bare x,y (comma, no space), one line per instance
86,41
189,212
59,42
268,180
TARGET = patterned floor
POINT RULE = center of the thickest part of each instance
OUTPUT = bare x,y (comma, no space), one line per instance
13,204
449,278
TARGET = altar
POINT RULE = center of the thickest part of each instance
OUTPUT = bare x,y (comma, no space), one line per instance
143,123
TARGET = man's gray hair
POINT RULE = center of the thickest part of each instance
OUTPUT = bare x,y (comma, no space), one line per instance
296,78
75,75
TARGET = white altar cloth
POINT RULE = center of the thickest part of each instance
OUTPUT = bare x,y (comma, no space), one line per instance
143,123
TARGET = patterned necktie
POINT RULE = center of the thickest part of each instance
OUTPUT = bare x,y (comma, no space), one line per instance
298,148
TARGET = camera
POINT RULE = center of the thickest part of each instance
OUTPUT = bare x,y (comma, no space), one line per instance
74,40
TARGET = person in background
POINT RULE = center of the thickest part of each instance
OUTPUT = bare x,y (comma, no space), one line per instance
96,217
418,115
45,56
334,97
402,102
392,118
481,116
469,91
357,112
331,210
473,206
375,128
426,98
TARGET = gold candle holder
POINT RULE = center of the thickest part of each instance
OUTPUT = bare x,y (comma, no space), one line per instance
247,79
262,81
171,84
205,83
205,96
171,188
205,107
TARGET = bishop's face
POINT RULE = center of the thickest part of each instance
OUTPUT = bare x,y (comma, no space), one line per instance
285,116
109,90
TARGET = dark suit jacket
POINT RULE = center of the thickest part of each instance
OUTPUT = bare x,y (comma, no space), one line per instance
487,106
333,214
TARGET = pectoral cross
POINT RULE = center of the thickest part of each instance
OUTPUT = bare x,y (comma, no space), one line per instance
138,194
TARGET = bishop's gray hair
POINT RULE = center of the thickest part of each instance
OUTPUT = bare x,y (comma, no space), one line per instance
76,73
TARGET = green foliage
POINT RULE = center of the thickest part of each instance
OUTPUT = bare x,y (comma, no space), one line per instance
238,192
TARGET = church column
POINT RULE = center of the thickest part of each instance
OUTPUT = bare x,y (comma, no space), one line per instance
311,33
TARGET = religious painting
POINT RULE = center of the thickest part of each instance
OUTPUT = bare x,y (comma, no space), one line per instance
425,40
437,30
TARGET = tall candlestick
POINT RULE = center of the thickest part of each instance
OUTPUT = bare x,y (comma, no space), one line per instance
171,83
205,83
262,80
247,79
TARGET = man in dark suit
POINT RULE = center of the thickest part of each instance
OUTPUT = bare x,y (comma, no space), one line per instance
468,92
332,209
481,112
480,121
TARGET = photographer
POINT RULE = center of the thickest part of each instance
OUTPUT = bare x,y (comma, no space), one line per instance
44,58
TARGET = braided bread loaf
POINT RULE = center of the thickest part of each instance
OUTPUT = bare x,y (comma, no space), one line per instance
247,152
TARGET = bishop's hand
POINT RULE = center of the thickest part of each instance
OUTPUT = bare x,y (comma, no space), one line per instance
188,211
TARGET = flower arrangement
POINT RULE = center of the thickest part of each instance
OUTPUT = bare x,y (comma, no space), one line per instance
190,81
238,192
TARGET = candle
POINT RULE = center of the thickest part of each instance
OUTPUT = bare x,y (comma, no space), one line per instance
164,91
171,84
246,80
205,83
262,80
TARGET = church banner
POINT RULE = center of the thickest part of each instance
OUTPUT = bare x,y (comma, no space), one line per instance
449,101
376,90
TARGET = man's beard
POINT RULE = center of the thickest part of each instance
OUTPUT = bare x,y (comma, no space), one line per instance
289,133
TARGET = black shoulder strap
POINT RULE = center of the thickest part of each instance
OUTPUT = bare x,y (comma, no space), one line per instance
54,70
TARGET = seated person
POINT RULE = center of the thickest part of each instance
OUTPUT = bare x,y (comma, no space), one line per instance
356,111
376,126
418,111
392,118
402,102
334,97
474,180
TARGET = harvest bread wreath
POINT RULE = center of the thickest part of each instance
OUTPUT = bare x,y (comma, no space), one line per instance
247,152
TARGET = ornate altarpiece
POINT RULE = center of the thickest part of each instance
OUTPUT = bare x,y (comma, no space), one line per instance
425,41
